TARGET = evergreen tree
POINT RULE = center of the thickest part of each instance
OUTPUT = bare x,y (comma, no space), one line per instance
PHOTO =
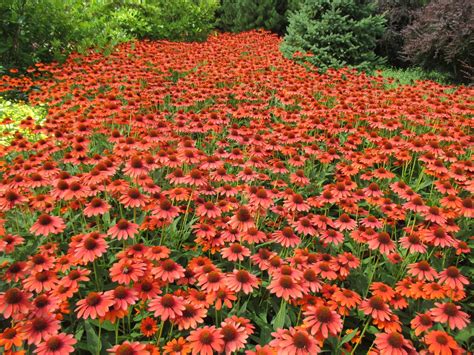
337,32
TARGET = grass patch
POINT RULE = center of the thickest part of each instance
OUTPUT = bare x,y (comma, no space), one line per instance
409,76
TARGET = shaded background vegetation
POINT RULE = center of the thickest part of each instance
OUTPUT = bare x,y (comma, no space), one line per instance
434,35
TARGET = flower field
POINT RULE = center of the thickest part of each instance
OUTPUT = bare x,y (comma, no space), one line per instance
200,198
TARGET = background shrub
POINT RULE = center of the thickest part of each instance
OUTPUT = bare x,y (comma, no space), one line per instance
183,20
339,33
33,30
45,30
399,14
441,37
244,15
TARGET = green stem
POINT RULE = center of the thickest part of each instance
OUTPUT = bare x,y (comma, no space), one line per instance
361,336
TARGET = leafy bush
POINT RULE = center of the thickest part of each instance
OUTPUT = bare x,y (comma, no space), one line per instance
45,30
17,117
399,14
442,37
33,30
183,20
339,33
244,15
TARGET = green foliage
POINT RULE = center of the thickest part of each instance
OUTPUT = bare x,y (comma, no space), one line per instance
183,20
410,75
45,30
338,33
243,15
14,117
32,30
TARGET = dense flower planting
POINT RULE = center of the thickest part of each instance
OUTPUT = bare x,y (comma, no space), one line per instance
218,198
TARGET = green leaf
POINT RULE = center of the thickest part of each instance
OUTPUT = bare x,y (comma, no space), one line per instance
348,337
79,332
93,341
279,321
104,325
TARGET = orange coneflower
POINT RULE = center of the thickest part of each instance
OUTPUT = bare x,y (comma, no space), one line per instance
40,327
381,242
422,271
453,278
286,287
296,202
322,321
234,335
96,207
325,269
241,280
235,252
438,236
344,222
224,297
40,262
165,210
242,220
75,276
331,236
157,252
148,327
413,242
376,308
167,306
421,323
193,314
177,347
451,314
133,198
371,222
129,348
206,340
123,297
90,247
393,343
46,224
467,208
209,210
59,344
14,302
310,280
123,229
10,199
347,298
286,237
11,337
261,350
125,271
441,343
147,288
382,290
211,281
168,271
40,281
135,167
253,235
304,226
9,242
95,305
295,341
45,304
